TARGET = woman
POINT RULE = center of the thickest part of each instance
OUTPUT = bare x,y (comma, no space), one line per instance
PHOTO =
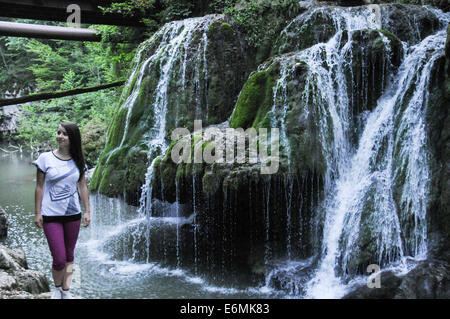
60,181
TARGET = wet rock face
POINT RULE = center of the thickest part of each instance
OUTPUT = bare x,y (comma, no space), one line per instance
428,280
242,218
9,118
193,70
438,131
240,224
16,280
408,23
292,277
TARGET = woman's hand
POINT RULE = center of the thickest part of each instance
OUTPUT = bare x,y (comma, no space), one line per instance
38,221
86,219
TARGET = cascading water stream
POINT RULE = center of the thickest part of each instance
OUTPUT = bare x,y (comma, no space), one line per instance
367,175
171,44
354,172
181,35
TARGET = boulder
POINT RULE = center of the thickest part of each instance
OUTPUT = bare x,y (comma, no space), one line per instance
16,280
429,279
9,120
7,281
201,64
12,259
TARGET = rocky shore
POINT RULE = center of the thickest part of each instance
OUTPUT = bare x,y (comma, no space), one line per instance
17,281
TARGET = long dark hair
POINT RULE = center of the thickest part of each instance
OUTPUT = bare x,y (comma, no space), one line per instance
75,149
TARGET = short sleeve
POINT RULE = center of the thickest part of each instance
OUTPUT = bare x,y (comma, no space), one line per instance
40,163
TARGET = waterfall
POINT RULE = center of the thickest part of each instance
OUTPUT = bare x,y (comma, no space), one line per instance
365,114
364,183
176,52
177,39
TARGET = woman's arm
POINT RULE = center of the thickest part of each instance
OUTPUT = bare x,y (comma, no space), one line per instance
84,195
38,194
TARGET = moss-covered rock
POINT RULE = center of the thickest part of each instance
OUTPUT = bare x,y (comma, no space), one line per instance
237,218
438,119
189,70
261,22
255,99
309,28
236,209
94,138
408,22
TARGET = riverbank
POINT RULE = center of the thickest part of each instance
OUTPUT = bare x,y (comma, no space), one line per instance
17,281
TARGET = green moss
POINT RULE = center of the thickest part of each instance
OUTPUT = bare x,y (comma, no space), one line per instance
116,130
188,169
95,179
388,35
195,139
168,176
255,99
157,161
128,89
213,29
167,156
136,168
265,123
267,102
140,105
227,32
180,172
112,182
249,101
226,25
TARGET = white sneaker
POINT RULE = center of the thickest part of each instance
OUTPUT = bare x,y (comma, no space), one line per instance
65,294
57,293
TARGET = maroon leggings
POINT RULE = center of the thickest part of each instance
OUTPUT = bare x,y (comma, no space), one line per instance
62,238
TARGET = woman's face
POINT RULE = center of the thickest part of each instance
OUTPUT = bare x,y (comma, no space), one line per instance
61,136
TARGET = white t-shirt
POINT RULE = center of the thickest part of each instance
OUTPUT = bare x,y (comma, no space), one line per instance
60,193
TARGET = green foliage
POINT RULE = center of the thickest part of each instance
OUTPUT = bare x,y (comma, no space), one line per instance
93,135
38,127
219,6
91,111
130,8
176,10
31,65
14,75
261,21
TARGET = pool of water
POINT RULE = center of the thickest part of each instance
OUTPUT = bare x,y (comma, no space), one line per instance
97,274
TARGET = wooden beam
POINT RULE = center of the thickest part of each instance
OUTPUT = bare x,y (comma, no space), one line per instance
15,29
56,10
54,95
